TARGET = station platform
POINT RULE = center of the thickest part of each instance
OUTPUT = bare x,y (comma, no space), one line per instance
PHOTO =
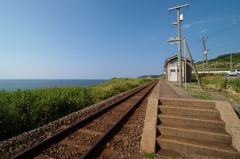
171,90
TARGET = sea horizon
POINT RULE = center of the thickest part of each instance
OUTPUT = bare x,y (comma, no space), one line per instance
52,79
29,84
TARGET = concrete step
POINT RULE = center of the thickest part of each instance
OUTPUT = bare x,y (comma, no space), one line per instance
197,147
183,103
191,121
195,133
198,113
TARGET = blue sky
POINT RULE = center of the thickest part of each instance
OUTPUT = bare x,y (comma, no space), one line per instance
101,39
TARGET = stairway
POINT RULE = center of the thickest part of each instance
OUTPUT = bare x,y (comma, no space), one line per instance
186,129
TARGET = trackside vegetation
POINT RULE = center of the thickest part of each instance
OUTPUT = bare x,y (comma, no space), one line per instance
23,110
219,82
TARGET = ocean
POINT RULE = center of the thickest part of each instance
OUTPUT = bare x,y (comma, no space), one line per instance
12,85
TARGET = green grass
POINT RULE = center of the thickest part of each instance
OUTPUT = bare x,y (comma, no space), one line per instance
221,83
150,155
23,110
235,85
200,94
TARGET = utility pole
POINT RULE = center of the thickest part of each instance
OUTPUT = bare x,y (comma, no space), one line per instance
231,61
204,51
179,19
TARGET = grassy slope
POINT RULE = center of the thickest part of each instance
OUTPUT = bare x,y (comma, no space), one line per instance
25,110
222,62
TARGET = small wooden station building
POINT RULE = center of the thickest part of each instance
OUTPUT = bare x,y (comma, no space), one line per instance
171,69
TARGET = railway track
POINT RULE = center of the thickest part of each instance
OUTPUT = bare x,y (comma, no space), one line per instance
90,137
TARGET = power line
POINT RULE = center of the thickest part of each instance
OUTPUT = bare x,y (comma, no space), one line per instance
226,45
227,48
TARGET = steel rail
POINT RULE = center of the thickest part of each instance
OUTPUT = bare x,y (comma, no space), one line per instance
110,132
39,147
